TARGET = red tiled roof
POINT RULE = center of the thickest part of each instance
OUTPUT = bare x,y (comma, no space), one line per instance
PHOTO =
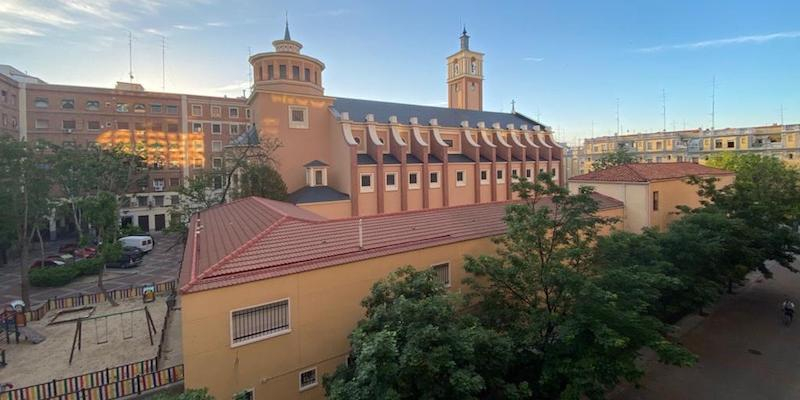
647,172
254,239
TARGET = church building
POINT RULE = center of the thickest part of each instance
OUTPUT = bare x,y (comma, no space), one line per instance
343,157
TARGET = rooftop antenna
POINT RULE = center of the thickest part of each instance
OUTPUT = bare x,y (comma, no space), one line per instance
592,129
513,110
781,114
250,70
163,63
130,55
713,102
618,126
664,108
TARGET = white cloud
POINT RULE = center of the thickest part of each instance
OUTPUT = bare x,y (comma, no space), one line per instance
154,31
752,39
217,24
232,87
186,27
35,14
533,59
20,31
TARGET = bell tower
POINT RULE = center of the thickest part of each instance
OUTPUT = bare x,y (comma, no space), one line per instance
465,77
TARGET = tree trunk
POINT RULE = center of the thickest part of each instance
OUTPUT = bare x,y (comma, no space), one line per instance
41,244
77,221
103,288
25,285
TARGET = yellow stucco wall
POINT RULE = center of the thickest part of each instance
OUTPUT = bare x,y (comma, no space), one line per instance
324,308
634,195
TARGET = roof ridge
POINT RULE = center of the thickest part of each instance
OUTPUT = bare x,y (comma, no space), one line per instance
635,172
423,105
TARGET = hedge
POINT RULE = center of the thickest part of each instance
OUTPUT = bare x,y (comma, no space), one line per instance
60,276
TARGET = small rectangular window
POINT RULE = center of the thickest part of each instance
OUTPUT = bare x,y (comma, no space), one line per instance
461,178
260,322
270,72
282,71
93,125
41,102
442,273
41,123
318,178
246,394
216,145
174,182
216,111
298,117
307,75
514,174
247,113
216,129
171,109
234,129
500,176
124,125
92,105
68,104
68,124
308,379
366,183
122,107
197,110
391,181
197,127
528,173
139,108
174,199
172,128
434,179
216,163
233,112
655,201
296,72
155,108
413,180
484,177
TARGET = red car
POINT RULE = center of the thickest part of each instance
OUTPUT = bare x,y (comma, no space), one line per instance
68,248
49,262
86,252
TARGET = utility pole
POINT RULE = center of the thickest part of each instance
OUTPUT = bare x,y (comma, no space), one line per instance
664,108
163,63
592,129
713,102
130,55
513,110
617,117
781,114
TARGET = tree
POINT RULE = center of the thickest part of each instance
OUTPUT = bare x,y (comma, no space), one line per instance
262,181
103,213
619,156
25,196
415,344
577,327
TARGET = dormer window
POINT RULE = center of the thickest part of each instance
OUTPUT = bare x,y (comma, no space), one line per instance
316,173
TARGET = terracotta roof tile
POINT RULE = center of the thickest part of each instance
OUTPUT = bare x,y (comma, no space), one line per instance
647,172
277,239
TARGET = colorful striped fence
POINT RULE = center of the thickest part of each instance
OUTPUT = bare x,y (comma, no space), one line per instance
38,313
83,388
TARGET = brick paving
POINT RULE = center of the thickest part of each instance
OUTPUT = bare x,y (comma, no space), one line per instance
161,264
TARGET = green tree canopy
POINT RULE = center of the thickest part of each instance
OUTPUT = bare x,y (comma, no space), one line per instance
619,156
263,181
415,344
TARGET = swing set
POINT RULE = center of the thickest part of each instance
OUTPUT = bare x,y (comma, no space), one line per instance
100,323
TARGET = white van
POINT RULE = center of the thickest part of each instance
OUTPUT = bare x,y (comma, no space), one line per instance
143,243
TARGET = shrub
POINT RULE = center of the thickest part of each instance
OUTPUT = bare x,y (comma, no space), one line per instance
53,276
89,266
131,230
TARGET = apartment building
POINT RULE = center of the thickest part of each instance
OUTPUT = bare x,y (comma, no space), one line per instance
344,157
697,145
177,134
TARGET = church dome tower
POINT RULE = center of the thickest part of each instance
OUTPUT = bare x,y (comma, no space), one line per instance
286,69
465,77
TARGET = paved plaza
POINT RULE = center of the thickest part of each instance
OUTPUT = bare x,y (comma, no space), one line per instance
161,264
745,351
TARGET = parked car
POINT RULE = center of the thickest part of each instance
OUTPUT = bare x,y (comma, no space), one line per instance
85,252
143,243
130,257
68,248
48,262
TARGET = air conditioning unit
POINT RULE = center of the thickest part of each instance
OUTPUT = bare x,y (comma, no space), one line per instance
68,130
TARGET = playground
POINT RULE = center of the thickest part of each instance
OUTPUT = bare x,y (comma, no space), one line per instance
96,337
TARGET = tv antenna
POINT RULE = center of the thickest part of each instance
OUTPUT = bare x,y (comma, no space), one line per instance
618,126
163,63
664,109
130,56
713,102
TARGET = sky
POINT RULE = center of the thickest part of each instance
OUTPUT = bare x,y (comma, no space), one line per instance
566,63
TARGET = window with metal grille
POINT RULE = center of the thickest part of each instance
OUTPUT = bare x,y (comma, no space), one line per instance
260,322
308,378
442,273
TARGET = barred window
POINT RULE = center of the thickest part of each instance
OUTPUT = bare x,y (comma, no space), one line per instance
260,322
442,273
308,379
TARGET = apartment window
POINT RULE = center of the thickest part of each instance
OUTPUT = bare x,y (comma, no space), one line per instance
216,129
233,112
174,199
461,178
197,110
514,174
138,127
500,176
139,108
41,102
174,182
282,71
296,72
246,394
158,186
679,159
171,109
122,107
270,72
4,95
13,122
391,181
434,179
484,177
307,77
92,105
658,145
718,144
553,172
247,113
528,173
155,108
649,145
5,119
731,144
234,129
260,322
68,125
197,127
172,128
216,163
216,111
216,145
197,163
68,104
123,125
413,180
298,117
38,124
366,183
655,201
217,182
442,272
93,125
308,378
